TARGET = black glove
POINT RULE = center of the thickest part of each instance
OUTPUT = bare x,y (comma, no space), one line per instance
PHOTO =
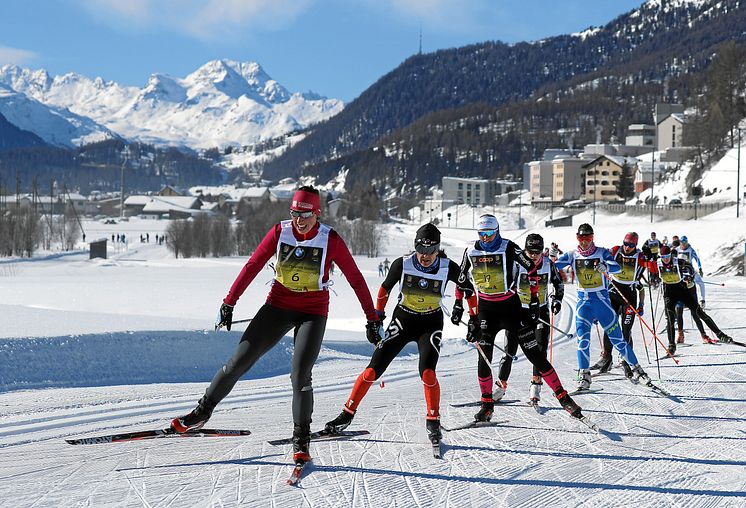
473,331
457,313
373,331
700,272
556,306
225,317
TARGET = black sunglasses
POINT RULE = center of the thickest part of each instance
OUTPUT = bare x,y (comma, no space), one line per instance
302,215
427,249
630,245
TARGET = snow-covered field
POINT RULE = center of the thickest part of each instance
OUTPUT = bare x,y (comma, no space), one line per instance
95,347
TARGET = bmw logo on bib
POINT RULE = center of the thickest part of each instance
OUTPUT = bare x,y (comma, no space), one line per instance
299,252
423,283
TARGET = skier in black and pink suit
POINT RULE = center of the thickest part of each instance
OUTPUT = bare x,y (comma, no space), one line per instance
298,300
422,277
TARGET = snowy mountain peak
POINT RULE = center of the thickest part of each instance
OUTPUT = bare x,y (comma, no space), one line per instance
223,102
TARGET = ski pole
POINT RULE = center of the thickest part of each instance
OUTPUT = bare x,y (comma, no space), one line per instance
713,283
644,322
598,334
481,353
551,336
514,357
242,321
570,335
644,341
657,360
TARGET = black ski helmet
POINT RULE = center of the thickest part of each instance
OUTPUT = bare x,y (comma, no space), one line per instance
427,239
534,243
585,229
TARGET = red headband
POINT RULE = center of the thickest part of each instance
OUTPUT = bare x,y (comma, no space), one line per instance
304,201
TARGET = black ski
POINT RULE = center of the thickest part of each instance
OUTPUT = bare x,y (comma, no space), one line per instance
478,403
580,391
156,434
323,435
474,424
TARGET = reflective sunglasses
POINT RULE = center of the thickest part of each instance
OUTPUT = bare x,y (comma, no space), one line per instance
630,245
665,256
302,215
487,232
585,237
427,249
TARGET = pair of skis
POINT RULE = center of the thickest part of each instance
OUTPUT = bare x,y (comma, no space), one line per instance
295,475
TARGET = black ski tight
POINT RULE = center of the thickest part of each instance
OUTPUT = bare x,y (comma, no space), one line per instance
265,330
519,329
674,294
511,346
695,317
405,327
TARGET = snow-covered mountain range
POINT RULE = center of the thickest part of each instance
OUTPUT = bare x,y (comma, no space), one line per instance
222,103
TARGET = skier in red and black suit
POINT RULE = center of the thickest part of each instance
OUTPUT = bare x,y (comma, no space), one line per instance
676,274
298,300
491,262
626,284
422,277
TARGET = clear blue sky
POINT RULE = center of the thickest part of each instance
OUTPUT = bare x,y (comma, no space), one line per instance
334,47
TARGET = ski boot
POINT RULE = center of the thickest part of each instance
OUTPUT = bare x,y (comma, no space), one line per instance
534,393
301,440
724,338
500,388
603,364
627,369
568,404
639,376
584,380
680,337
341,422
488,407
196,419
708,340
672,348
433,430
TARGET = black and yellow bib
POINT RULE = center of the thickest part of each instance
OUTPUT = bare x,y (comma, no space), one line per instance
488,270
421,292
541,279
629,265
669,273
300,264
585,271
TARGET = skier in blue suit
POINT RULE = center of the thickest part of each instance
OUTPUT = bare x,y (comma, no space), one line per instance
591,264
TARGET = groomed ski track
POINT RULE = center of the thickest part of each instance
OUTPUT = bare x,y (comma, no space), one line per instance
654,451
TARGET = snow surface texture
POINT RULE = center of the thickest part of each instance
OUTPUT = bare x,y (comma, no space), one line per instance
127,344
222,103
